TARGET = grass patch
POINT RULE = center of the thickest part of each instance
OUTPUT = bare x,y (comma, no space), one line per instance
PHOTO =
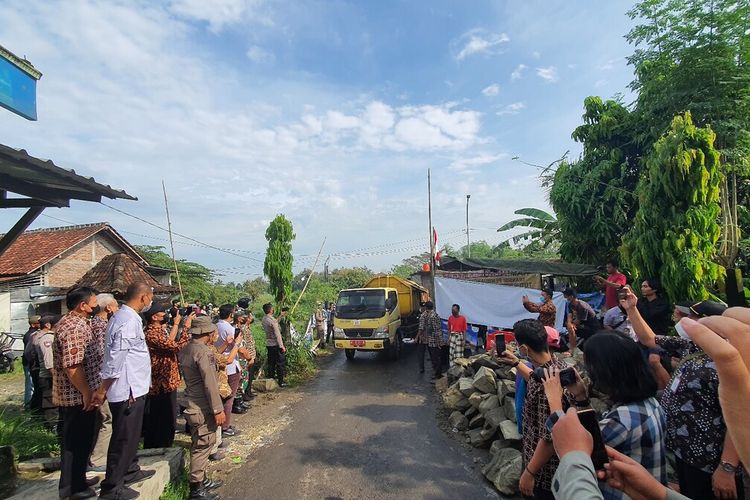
179,489
16,374
27,435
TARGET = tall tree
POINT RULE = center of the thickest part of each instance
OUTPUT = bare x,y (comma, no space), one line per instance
676,229
278,263
593,196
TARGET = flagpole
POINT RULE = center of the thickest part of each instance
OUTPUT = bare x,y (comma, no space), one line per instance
432,239
171,243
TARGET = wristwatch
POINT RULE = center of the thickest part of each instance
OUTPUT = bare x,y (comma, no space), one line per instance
727,467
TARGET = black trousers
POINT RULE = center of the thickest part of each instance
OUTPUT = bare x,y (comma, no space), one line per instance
276,363
122,462
159,420
694,483
77,440
436,358
252,372
35,403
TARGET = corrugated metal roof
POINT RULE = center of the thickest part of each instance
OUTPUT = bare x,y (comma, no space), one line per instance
41,179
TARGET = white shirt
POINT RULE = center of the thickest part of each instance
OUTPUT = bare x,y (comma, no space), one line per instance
126,357
226,332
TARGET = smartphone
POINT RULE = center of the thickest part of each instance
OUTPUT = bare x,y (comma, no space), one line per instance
591,423
499,344
567,377
622,293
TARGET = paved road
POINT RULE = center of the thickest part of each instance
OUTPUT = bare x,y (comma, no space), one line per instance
364,429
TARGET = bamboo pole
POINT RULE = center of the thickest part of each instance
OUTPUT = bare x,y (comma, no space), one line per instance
307,281
171,243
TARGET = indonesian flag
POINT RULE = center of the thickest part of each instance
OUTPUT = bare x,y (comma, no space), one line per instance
435,245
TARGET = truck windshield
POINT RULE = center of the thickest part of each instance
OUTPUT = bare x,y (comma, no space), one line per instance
360,304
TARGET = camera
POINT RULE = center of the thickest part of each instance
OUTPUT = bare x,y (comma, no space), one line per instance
186,311
567,376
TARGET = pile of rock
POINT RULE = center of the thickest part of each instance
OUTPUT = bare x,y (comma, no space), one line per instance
481,393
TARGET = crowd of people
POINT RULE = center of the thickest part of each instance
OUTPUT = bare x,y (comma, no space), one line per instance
672,428
105,376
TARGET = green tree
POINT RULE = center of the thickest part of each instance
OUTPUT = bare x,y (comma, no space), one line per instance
541,226
414,264
278,263
676,229
255,288
593,195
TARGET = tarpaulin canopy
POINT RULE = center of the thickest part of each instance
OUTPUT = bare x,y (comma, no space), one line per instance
491,305
518,266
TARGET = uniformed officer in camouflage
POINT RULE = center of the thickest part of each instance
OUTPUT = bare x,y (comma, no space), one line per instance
205,410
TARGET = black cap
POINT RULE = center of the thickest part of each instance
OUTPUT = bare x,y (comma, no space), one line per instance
156,307
701,309
429,305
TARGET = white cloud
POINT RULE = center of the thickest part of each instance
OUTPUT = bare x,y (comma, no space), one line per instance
610,64
478,41
491,90
518,72
536,54
259,55
512,109
548,74
472,165
219,13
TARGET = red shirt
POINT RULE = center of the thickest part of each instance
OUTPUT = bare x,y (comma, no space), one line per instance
610,293
456,324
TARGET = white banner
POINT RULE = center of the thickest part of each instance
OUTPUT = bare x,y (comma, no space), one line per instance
491,305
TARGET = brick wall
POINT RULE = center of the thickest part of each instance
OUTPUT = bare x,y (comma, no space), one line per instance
66,270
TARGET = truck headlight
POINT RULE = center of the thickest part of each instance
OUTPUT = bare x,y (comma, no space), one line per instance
381,332
338,333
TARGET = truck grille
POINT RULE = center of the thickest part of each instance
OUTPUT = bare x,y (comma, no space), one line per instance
358,332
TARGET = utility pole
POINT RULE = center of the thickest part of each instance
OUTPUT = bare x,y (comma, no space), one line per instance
432,239
468,244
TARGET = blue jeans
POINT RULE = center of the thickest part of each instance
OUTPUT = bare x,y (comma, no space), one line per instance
28,386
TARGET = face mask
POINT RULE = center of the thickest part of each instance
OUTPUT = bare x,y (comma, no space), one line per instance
147,307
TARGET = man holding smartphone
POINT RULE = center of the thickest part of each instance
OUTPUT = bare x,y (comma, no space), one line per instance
539,460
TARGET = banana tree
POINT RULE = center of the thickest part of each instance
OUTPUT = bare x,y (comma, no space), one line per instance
542,227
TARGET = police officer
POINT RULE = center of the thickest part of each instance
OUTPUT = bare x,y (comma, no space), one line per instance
44,351
205,410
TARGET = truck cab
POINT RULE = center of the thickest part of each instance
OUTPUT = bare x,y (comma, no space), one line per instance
377,317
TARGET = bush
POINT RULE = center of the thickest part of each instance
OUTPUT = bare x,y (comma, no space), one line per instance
27,435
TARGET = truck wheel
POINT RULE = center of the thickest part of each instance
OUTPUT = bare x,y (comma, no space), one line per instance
349,353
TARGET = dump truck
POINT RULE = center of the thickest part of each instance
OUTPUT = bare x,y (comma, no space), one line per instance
378,316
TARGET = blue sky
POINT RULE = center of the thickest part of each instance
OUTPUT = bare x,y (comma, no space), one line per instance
329,112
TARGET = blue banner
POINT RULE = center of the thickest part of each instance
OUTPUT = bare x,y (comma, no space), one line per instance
17,90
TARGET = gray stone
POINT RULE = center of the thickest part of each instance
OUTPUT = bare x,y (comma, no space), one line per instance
505,388
265,385
489,432
504,471
498,444
477,422
477,439
40,465
486,360
441,384
489,403
509,430
475,399
458,421
455,372
506,372
452,398
463,404
466,386
495,417
462,362
471,412
509,405
485,381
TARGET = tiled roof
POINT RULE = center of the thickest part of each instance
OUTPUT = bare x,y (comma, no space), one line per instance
115,272
35,248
